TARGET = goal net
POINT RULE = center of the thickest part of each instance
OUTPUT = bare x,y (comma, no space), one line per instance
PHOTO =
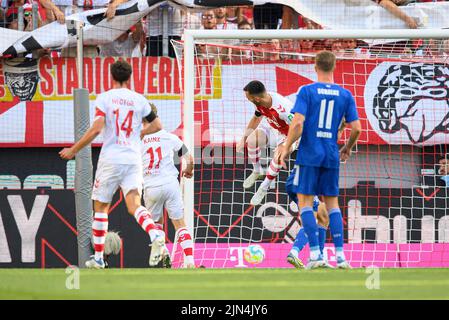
393,192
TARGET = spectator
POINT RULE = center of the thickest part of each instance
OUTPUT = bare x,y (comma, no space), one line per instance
327,44
127,45
12,11
52,12
247,14
268,51
392,7
445,48
337,47
208,20
349,44
444,171
306,23
222,22
245,25
68,7
275,48
178,20
46,8
243,54
267,16
307,45
234,15
13,24
13,17
2,18
28,17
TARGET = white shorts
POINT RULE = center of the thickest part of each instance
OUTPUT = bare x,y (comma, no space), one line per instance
166,196
275,138
109,177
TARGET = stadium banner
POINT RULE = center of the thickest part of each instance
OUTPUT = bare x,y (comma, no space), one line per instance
225,255
36,97
364,14
382,228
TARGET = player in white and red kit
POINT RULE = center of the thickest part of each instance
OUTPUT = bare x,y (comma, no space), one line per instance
268,127
161,185
120,114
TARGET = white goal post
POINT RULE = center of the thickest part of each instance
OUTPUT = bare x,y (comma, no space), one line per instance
189,73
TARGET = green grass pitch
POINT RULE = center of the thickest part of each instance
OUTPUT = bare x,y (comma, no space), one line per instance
224,284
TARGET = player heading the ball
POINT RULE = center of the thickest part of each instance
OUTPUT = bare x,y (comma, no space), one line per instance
318,112
120,114
268,127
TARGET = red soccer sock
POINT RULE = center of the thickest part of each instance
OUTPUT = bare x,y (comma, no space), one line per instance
254,158
99,230
186,243
272,173
143,217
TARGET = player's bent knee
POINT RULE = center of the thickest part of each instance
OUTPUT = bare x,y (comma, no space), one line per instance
257,138
252,140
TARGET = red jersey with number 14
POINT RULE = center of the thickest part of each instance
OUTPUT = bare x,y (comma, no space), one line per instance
278,115
123,110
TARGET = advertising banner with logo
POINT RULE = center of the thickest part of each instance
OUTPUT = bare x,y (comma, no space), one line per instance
382,227
398,102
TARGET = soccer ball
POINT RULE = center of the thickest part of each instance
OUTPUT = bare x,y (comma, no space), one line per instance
254,254
112,243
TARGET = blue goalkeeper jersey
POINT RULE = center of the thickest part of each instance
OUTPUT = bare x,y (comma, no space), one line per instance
324,106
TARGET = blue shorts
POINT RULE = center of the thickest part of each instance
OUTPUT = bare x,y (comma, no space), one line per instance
290,188
315,181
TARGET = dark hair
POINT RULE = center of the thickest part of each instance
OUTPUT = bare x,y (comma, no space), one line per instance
244,22
325,61
121,71
153,108
255,87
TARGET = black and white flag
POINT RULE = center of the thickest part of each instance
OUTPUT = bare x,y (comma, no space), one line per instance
335,14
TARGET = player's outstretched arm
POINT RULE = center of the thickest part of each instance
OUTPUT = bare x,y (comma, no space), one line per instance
294,133
252,125
86,139
356,130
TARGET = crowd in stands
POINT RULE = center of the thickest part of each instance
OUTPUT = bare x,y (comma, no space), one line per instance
151,36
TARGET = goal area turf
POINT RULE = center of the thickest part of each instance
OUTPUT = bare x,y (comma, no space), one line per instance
210,284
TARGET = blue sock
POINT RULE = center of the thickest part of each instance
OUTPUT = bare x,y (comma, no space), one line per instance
311,230
322,231
336,228
300,241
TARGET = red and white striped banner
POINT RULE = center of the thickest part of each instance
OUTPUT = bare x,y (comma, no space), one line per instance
398,102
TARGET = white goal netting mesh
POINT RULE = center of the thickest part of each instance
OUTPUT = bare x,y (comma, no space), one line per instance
392,190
